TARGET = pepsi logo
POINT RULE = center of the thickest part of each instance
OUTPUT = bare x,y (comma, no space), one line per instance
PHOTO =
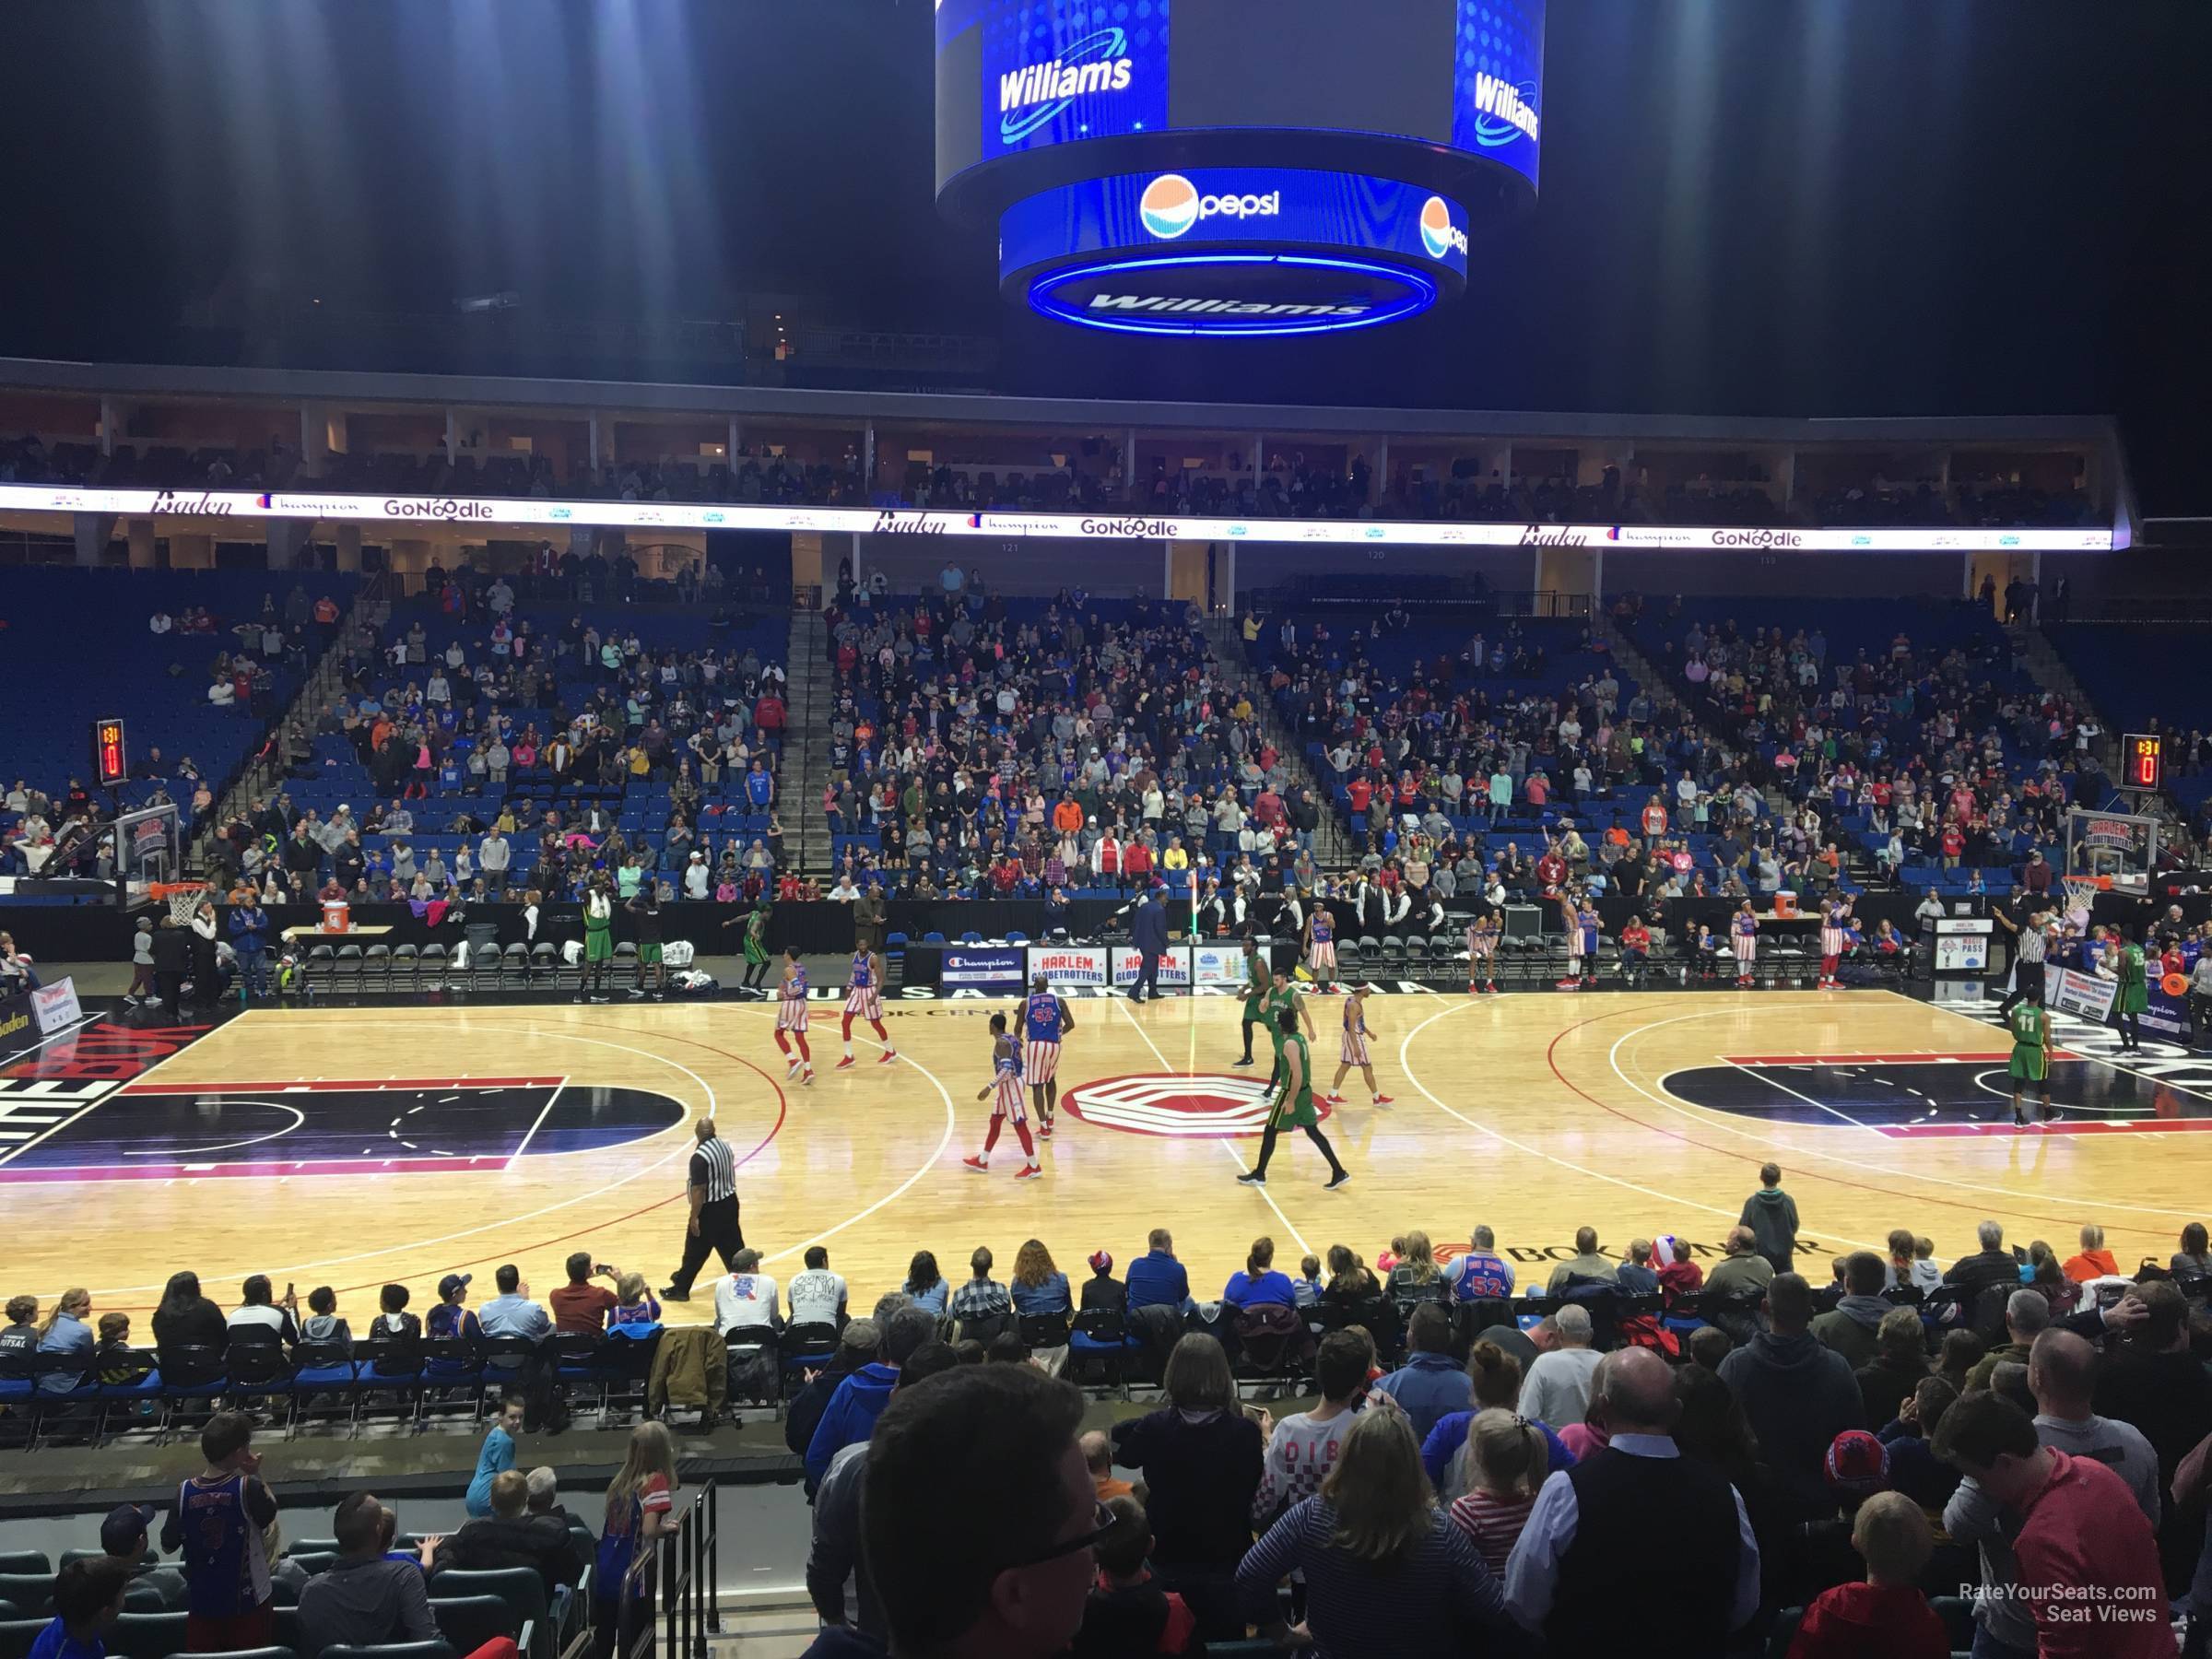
1200,1106
1169,206
1439,234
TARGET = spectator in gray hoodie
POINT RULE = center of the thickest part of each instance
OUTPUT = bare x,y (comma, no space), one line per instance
1771,1215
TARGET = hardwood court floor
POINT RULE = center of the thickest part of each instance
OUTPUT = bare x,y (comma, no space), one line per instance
522,1133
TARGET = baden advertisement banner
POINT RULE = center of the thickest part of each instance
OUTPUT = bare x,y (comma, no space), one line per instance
996,969
2070,991
1068,964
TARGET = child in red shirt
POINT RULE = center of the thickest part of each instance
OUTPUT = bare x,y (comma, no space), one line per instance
1887,1616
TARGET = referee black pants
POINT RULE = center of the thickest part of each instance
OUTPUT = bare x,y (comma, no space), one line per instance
718,1232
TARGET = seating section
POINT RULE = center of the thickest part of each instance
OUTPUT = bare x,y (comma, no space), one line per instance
2136,673
1877,715
82,638
670,749
992,746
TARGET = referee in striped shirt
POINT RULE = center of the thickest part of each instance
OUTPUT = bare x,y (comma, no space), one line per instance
712,1188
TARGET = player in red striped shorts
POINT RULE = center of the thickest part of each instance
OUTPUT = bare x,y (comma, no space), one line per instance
1354,1050
791,1019
1045,1020
864,996
1835,917
1005,1082
1744,929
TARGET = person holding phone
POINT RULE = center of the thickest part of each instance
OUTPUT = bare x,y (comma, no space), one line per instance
259,1311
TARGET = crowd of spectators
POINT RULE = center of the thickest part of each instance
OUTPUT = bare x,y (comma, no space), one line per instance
533,753
2041,1423
985,746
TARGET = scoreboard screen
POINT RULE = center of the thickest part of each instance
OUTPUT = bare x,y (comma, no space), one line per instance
2143,760
111,762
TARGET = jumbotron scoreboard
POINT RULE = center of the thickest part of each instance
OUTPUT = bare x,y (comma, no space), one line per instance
1213,168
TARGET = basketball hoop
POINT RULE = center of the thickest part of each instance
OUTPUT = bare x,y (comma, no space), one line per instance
2081,891
181,897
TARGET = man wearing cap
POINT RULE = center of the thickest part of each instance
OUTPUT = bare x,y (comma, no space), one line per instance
153,1588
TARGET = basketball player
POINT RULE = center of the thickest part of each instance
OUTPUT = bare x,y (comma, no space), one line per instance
791,1019
1635,951
2133,994
864,996
1294,1104
1255,995
755,924
1354,1050
1744,928
646,907
1320,947
1045,1020
1482,955
1835,920
598,940
1589,930
1281,1000
1005,1082
2031,1023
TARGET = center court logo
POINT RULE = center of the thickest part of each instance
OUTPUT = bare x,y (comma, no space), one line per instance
1439,234
1203,1106
1171,205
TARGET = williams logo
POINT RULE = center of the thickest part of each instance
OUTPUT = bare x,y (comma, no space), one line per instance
907,523
1033,96
1219,308
1171,205
1553,535
1502,110
168,500
448,508
1439,234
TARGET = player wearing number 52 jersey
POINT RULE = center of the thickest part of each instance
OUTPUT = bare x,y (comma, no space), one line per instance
1044,1020
864,996
2030,1024
791,1019
1006,1085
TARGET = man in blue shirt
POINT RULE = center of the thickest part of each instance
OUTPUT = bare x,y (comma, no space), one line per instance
1156,1278
88,1600
1431,1385
511,1313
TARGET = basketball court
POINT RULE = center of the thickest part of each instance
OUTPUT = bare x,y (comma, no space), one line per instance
351,1147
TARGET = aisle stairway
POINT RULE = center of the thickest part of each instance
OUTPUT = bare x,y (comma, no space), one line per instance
807,742
1333,846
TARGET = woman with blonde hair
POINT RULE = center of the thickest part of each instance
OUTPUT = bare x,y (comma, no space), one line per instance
1416,1279
67,1331
636,1313
1385,1570
1499,1470
641,1507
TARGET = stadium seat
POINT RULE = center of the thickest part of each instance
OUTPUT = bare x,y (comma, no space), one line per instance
149,1636
31,1594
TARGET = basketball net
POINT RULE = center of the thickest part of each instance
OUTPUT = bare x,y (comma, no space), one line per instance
181,897
2081,891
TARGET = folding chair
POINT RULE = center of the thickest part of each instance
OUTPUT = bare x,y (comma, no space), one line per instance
348,976
376,969
1101,1337
407,968
805,1347
431,975
320,1369
131,1396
